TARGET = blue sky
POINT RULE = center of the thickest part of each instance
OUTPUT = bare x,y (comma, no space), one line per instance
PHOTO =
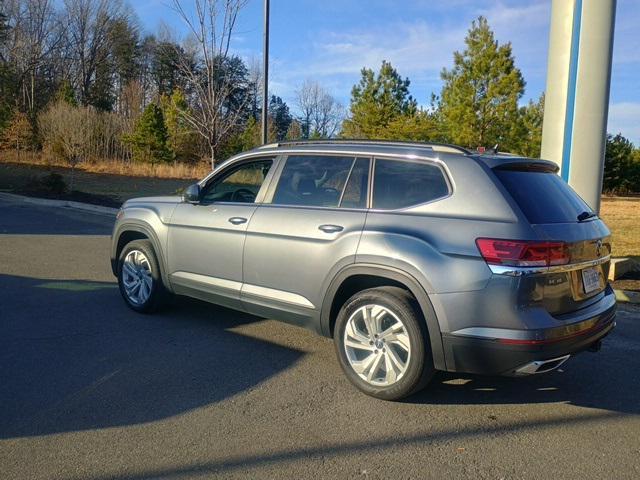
331,40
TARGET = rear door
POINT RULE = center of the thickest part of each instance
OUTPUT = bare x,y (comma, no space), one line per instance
557,213
306,230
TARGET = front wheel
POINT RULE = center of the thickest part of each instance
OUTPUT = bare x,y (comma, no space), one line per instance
382,343
139,277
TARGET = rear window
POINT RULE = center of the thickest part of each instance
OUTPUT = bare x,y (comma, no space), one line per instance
543,196
400,184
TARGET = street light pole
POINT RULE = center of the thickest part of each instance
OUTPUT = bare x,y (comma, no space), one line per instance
265,75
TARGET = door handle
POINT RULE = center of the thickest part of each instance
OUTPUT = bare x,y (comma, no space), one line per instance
237,220
331,228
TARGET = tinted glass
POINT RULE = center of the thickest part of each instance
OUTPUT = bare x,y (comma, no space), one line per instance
543,197
313,181
241,185
355,192
398,184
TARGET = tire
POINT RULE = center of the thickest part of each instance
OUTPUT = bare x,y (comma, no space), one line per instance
146,270
360,353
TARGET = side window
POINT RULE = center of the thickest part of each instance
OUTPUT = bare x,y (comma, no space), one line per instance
312,180
240,185
400,184
355,192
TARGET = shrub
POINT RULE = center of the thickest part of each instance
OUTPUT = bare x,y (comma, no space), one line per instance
54,183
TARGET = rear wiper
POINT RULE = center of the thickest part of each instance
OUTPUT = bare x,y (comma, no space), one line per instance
586,216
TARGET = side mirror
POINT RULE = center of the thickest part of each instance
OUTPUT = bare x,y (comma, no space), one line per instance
191,194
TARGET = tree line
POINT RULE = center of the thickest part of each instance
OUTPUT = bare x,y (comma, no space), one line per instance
80,79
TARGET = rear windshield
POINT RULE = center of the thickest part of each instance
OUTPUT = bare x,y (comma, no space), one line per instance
543,196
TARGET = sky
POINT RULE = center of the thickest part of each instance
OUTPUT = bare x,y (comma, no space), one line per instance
330,41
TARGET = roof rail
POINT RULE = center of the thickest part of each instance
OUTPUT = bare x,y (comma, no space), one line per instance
340,141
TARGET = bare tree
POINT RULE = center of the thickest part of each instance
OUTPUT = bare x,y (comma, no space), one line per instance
88,26
320,113
36,32
211,28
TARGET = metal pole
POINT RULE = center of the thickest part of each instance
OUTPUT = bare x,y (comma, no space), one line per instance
265,75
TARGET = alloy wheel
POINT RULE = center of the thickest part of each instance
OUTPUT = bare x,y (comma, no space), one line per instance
136,277
377,345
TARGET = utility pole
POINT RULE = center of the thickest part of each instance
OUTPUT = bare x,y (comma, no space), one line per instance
265,75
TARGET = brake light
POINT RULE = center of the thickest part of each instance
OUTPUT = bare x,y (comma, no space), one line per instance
517,253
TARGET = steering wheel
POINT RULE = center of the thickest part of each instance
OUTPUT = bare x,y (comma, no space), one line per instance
243,195
331,190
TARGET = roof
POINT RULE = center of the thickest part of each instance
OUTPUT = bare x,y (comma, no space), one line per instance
408,149
369,146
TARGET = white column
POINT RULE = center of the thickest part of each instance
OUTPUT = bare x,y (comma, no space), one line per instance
577,94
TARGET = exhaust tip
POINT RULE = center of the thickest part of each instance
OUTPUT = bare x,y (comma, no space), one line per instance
541,366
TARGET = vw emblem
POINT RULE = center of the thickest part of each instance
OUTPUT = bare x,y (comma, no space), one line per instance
599,248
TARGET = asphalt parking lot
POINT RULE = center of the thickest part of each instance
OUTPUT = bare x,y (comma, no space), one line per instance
91,390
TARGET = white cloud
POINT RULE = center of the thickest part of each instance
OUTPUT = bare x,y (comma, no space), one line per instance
420,48
624,118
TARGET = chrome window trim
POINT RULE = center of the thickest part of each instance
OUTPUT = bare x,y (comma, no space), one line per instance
280,156
277,152
522,271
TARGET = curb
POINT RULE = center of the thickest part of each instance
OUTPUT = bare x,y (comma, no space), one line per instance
87,207
627,296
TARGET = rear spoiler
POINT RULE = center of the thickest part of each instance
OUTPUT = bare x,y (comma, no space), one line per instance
520,164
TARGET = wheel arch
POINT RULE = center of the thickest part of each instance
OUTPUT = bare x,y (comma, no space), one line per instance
345,283
137,231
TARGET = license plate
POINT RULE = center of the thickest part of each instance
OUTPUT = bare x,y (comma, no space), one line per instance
590,279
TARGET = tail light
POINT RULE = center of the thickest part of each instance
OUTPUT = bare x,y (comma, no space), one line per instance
517,253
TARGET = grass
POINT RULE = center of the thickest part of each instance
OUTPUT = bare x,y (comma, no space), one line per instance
115,167
16,178
622,215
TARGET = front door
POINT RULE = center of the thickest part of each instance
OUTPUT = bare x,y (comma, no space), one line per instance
299,239
206,239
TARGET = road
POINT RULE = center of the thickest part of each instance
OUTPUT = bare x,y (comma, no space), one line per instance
91,390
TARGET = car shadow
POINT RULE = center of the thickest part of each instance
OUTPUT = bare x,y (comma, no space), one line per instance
608,379
74,357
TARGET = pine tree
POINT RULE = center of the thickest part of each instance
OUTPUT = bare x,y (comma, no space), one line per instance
420,126
279,113
149,139
377,101
479,99
66,94
619,165
180,138
527,140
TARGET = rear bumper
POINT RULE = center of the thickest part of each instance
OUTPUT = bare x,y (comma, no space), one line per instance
511,352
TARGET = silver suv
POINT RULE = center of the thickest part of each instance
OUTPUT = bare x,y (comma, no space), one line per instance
413,257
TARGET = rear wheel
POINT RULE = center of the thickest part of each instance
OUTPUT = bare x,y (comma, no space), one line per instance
139,277
382,343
